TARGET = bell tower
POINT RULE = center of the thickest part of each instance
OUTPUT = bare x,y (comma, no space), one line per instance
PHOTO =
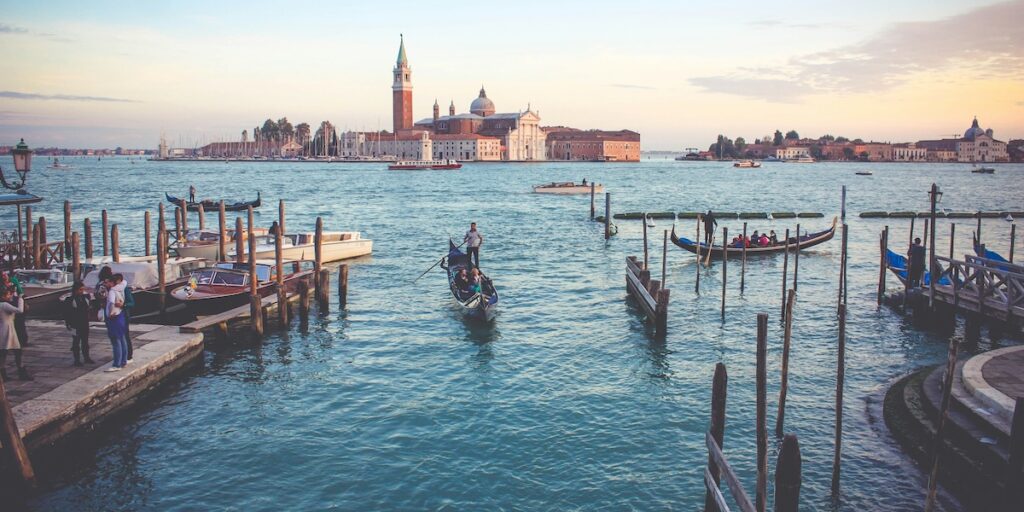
401,91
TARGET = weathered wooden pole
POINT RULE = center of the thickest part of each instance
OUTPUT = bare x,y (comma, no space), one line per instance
664,256
36,263
725,268
42,230
607,215
785,268
780,418
255,303
342,286
696,286
146,222
939,441
76,261
925,238
106,233
184,216
282,294
202,217
222,242
840,377
952,238
115,252
883,243
13,446
1013,239
161,264
979,228
302,288
796,260
1012,480
67,228
21,232
787,476
239,241
280,218
160,220
910,240
932,262
842,271
761,488
592,194
88,238
323,279
645,241
318,255
719,388
743,263
177,223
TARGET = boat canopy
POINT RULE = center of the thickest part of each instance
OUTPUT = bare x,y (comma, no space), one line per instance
139,275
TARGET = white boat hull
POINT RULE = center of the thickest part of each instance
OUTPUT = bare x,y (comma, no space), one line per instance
332,251
208,252
578,189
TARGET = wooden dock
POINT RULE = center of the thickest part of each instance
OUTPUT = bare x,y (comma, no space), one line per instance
653,299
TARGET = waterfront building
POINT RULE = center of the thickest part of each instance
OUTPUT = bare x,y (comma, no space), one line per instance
873,151
408,145
909,152
839,151
466,146
792,152
600,145
979,145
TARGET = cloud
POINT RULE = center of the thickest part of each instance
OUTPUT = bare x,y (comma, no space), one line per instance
11,29
770,23
633,86
984,42
62,97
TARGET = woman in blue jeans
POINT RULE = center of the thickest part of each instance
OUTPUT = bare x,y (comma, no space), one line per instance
116,326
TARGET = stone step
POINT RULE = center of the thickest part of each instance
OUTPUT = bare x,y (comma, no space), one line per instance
965,428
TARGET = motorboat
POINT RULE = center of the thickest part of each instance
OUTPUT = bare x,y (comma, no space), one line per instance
415,165
43,290
57,165
568,187
864,173
801,160
227,285
747,164
205,243
336,246
142,275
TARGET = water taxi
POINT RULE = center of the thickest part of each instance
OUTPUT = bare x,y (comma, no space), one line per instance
415,165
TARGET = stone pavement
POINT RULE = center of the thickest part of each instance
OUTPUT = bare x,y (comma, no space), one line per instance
996,379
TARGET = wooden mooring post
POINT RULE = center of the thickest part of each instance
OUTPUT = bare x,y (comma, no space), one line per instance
840,377
255,303
202,217
161,264
932,262
302,288
76,261
743,263
787,476
646,260
160,220
13,446
146,229
67,228
318,255
106,233
282,294
1013,239
952,239
719,388
796,260
607,215
239,241
184,216
842,270
177,223
785,268
780,417
222,243
592,194
115,252
883,244
36,260
725,266
88,238
664,256
979,228
939,440
696,286
342,286
761,378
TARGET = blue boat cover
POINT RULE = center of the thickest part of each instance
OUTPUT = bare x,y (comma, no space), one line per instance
898,263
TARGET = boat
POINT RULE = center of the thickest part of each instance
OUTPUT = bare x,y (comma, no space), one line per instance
984,170
747,164
864,173
57,165
210,205
692,154
143,277
806,241
414,165
43,290
801,160
897,264
475,306
336,246
224,286
568,187
205,243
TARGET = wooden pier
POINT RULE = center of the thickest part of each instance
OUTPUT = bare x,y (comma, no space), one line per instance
653,299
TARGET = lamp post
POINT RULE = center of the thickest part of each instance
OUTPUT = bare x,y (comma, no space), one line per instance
22,164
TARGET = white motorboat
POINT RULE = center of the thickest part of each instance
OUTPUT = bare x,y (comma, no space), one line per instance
336,246
747,164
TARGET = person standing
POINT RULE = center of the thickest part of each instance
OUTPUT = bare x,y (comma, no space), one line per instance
114,318
8,334
191,193
76,319
709,227
473,240
916,256
129,305
11,281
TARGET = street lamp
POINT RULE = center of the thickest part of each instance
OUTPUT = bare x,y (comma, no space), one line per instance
22,164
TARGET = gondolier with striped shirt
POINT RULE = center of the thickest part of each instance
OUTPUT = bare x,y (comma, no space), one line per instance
473,241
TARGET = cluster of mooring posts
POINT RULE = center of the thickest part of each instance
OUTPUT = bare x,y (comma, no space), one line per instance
982,289
32,250
650,294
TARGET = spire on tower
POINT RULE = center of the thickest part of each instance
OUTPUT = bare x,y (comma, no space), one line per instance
402,59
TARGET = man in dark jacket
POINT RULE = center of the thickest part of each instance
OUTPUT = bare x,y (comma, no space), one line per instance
709,227
916,257
76,319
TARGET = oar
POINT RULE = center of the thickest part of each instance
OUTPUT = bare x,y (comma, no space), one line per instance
707,262
435,264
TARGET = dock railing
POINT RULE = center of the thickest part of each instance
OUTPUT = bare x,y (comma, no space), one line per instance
648,292
722,465
23,255
977,284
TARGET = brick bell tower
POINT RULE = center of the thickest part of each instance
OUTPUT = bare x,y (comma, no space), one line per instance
401,91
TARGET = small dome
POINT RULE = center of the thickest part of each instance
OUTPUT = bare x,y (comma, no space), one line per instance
482,106
974,130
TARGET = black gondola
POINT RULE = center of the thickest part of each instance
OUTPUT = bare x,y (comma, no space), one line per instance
475,306
808,240
209,205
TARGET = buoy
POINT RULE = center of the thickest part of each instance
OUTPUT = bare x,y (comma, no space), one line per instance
770,216
1009,218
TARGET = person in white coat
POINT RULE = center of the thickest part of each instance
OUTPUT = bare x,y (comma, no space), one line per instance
9,334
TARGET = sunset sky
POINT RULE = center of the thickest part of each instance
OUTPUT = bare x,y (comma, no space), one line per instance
106,74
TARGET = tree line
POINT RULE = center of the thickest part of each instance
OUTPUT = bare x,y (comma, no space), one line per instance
725,147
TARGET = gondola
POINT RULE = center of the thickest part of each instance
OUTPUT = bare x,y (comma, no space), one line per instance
209,205
474,306
808,240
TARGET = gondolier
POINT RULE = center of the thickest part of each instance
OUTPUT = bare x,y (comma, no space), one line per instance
709,227
473,240
916,256
191,193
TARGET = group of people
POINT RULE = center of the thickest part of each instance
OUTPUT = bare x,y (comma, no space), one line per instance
13,334
469,283
113,298
755,240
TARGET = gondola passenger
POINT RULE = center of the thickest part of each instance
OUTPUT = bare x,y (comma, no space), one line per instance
773,238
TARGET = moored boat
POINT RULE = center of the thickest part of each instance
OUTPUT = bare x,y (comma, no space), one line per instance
415,165
473,306
216,289
747,164
567,187
43,289
336,246
205,243
142,275
805,241
864,173
983,170
210,205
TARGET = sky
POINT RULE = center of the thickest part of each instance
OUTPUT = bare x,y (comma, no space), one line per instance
106,74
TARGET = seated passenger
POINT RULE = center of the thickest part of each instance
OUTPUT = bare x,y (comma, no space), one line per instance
476,283
462,281
763,241
773,238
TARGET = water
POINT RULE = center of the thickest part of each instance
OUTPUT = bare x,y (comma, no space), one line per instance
566,402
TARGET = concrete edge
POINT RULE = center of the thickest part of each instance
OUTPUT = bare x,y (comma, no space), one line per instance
978,387
981,410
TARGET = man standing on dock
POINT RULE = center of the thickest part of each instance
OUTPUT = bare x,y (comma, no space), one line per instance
191,193
916,257
709,227
473,241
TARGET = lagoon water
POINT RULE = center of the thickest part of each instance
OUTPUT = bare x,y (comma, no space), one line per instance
566,402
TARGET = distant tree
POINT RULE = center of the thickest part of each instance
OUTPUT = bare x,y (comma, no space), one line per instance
842,140
827,138
741,145
777,139
792,135
302,133
269,130
727,147
848,153
285,129
815,151
757,141
858,141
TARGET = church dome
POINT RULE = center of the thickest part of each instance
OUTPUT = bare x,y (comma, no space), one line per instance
974,130
482,106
